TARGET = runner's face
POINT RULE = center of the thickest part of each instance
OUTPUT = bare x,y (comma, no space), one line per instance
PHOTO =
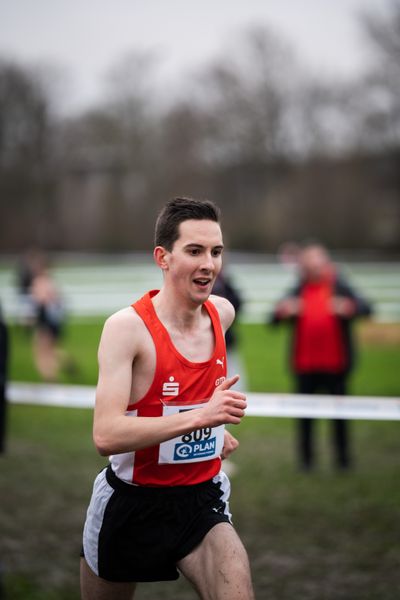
196,258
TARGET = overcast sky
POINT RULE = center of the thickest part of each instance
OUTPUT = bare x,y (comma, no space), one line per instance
86,37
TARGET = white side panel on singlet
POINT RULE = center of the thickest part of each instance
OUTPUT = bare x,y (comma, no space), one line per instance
123,464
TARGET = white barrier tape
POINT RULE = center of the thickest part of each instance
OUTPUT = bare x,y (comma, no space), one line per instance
326,407
259,405
48,394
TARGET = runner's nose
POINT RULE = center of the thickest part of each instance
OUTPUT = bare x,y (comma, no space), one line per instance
207,263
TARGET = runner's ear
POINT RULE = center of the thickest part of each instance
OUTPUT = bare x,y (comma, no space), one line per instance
160,255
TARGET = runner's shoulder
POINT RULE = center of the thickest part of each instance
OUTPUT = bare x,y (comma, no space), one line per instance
225,310
126,324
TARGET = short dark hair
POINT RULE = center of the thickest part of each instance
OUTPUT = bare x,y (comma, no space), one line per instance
178,210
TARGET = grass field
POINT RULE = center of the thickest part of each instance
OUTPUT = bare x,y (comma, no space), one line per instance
324,535
264,351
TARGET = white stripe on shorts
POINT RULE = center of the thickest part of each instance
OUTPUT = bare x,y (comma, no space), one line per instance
102,492
223,479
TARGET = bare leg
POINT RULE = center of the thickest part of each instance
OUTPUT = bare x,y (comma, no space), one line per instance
95,588
219,568
46,358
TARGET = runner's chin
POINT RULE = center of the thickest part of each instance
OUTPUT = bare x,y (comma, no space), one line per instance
202,292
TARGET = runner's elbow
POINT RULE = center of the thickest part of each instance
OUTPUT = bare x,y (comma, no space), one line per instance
103,442
101,446
108,441
103,451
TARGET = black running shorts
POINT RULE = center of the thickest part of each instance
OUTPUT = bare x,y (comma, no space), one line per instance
134,533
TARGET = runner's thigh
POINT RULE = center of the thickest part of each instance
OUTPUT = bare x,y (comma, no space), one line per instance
95,588
219,568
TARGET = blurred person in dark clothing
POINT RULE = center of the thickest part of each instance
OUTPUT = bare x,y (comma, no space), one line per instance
4,350
26,269
321,308
49,321
28,265
3,380
224,287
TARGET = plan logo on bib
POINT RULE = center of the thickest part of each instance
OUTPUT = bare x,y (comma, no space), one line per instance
201,450
170,388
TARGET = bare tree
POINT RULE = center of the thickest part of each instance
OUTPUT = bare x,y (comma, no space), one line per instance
246,95
107,156
25,152
379,92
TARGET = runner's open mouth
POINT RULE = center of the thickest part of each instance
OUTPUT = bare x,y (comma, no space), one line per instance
202,282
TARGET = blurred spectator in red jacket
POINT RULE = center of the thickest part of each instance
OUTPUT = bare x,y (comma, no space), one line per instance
321,308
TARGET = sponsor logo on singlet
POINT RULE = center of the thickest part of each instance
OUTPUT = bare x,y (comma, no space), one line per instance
170,388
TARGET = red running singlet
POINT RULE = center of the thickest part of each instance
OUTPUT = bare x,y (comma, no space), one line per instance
178,385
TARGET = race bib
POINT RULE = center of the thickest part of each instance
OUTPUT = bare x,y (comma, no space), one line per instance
196,446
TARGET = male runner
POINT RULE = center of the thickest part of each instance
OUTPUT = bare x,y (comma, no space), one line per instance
161,507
